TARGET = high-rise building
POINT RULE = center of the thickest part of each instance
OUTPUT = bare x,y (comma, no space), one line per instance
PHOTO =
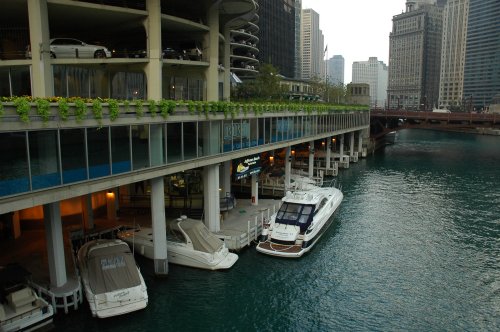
415,56
277,26
453,53
297,51
335,70
482,59
312,45
374,73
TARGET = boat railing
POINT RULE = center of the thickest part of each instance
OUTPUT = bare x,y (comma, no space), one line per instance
62,300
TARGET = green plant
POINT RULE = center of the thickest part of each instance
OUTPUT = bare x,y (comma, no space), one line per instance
163,105
97,110
1,110
23,108
171,106
80,109
63,107
152,108
126,104
114,109
191,106
43,109
139,110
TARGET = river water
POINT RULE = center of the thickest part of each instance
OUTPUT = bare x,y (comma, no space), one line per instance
415,246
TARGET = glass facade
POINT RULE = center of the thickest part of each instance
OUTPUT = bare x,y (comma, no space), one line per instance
39,159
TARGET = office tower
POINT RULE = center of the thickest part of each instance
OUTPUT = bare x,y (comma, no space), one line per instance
415,57
276,34
482,55
312,45
374,73
297,52
453,54
335,68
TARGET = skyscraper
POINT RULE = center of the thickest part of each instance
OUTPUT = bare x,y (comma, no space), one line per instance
277,35
453,53
374,73
312,43
415,56
335,68
297,50
482,55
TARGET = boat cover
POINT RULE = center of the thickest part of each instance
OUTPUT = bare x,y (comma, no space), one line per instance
201,237
112,268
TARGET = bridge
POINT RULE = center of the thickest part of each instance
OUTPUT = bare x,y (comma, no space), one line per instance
385,121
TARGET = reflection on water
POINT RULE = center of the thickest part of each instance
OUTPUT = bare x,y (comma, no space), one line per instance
414,247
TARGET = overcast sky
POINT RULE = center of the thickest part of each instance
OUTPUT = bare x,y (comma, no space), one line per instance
356,29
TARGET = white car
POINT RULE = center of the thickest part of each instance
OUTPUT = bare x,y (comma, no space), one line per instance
73,48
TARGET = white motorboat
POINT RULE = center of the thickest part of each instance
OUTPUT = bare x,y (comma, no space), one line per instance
21,309
189,243
112,281
299,223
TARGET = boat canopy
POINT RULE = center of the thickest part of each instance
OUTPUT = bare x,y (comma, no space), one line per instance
112,268
296,214
201,238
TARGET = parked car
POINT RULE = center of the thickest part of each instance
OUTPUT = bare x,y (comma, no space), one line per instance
73,48
192,52
170,53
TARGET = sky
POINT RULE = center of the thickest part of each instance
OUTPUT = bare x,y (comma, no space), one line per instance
356,29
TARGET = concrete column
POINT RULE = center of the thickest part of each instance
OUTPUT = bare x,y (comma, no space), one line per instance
227,65
225,176
55,244
154,66
288,166
351,143
212,76
360,142
110,205
42,76
311,159
341,148
159,227
211,197
87,212
328,152
254,183
16,225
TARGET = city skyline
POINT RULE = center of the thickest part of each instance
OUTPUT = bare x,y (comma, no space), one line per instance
356,42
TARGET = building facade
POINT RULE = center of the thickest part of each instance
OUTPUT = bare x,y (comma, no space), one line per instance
375,74
415,57
277,34
312,45
453,44
297,50
335,70
482,55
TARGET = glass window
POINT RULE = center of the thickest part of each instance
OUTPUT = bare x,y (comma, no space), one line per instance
254,132
44,159
228,135
120,149
98,151
74,165
21,81
190,139
140,148
60,81
261,131
14,175
174,142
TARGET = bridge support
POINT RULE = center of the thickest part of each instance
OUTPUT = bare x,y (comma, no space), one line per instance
55,244
288,166
159,226
311,159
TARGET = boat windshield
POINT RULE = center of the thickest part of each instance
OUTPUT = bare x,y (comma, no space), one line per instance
295,214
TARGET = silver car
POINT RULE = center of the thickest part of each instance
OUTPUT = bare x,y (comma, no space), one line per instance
73,48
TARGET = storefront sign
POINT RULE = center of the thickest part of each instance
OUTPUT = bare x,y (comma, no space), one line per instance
245,167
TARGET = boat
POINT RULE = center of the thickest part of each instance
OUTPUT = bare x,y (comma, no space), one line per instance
300,221
189,243
111,279
21,309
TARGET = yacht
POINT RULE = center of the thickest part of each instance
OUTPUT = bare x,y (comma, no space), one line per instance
21,309
301,220
189,243
112,281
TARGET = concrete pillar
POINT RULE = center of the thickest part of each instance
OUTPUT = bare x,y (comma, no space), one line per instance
311,159
212,76
211,197
87,212
55,244
341,148
360,142
351,143
225,177
328,152
41,69
16,225
110,205
154,66
288,166
254,183
159,227
227,65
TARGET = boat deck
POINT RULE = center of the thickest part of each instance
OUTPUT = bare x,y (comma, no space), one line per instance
280,248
